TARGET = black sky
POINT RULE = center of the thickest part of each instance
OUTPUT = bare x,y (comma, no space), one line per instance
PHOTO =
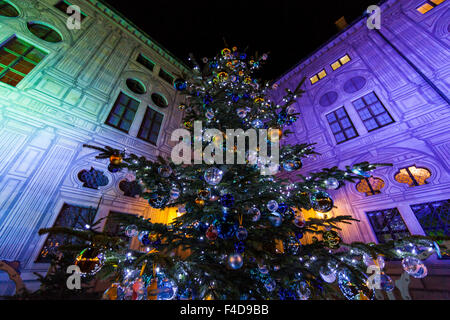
289,29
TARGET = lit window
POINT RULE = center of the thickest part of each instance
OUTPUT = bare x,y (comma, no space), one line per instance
370,186
123,112
428,5
70,216
318,76
434,218
8,10
63,5
136,86
413,176
340,62
341,125
151,126
145,62
44,32
372,112
388,225
166,76
17,59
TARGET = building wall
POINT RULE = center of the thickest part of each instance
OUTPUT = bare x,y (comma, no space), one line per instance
59,106
420,134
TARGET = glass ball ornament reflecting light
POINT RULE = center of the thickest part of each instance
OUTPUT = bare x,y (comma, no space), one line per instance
165,171
414,267
331,183
386,283
272,205
131,231
255,213
292,165
235,261
241,233
275,219
327,274
180,84
175,193
322,202
213,176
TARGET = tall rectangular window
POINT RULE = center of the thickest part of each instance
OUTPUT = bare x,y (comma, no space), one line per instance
145,62
341,125
70,216
63,5
17,59
388,225
151,126
372,112
123,112
434,218
166,76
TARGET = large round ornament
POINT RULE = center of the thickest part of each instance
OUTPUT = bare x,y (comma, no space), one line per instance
241,233
321,202
165,171
328,275
255,214
331,183
414,267
272,205
292,165
213,176
158,201
211,233
131,231
235,261
115,160
175,193
275,219
167,289
180,84
241,112
331,239
90,261
227,200
353,289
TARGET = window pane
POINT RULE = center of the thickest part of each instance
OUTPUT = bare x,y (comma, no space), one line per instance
18,46
151,126
345,59
335,127
341,113
114,120
340,137
365,114
370,98
119,110
7,58
346,123
425,8
322,74
24,66
36,55
129,115
11,78
335,65
123,99
350,133
370,124
125,125
387,225
145,62
331,117
384,119
436,2
359,104
314,79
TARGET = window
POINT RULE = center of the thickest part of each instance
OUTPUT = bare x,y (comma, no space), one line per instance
150,126
372,112
354,84
413,176
388,225
428,5
17,59
328,98
93,178
71,217
434,217
166,76
63,5
145,62
318,76
341,125
370,186
340,62
123,112
159,100
136,86
44,32
8,10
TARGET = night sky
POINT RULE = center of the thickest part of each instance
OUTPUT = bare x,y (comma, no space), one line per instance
289,29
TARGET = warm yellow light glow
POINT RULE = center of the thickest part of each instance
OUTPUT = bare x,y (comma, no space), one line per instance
425,8
314,79
436,2
344,59
336,65
322,74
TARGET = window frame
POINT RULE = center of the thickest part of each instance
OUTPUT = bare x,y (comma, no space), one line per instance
166,73
430,3
122,116
7,3
379,234
152,123
373,116
411,175
317,76
340,125
51,30
144,58
340,62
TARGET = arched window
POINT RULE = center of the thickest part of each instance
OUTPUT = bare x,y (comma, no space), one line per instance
136,86
130,188
370,186
44,32
354,84
328,99
159,100
93,178
413,176
7,9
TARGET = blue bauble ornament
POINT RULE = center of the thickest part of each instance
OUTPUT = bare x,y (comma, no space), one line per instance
263,269
241,233
145,240
299,235
131,231
235,261
414,267
257,124
213,176
272,205
165,171
255,213
167,289
239,247
386,283
282,208
241,112
357,170
275,219
209,114
331,183
292,165
180,84
227,200
175,193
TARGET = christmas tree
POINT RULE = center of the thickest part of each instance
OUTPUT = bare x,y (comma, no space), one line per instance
238,232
